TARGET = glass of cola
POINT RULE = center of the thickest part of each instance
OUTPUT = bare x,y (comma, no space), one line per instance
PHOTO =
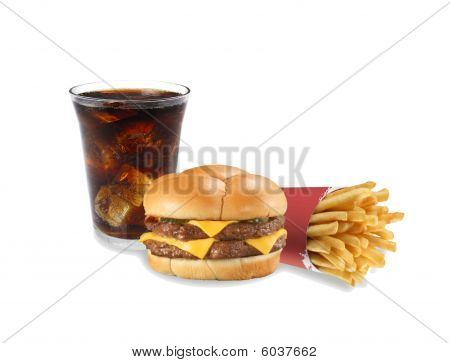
130,133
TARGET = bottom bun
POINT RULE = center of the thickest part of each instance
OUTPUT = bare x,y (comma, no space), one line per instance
243,268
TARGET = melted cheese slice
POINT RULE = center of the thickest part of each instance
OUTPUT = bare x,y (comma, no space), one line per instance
264,244
197,247
211,228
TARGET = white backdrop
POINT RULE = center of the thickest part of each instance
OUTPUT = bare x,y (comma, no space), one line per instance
252,67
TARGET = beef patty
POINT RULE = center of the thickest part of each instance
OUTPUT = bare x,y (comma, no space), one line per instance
233,232
218,250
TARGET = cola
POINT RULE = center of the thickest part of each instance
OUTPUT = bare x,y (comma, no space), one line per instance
130,136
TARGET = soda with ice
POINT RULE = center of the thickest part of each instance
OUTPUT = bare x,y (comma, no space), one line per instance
130,136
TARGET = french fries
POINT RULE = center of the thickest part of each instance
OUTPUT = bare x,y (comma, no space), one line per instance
333,242
347,233
344,199
319,246
323,229
328,217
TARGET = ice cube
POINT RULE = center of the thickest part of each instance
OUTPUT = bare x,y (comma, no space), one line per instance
130,175
135,134
112,115
111,208
103,156
121,203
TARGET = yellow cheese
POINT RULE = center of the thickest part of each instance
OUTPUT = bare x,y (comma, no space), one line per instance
211,228
197,247
264,244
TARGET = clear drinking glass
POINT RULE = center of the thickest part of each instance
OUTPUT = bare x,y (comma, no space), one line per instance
130,132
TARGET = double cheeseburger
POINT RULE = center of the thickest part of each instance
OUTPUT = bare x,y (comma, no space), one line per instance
214,222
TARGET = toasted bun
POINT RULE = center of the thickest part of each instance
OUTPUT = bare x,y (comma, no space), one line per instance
228,269
214,192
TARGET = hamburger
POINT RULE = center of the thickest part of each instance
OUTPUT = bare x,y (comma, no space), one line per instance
214,222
